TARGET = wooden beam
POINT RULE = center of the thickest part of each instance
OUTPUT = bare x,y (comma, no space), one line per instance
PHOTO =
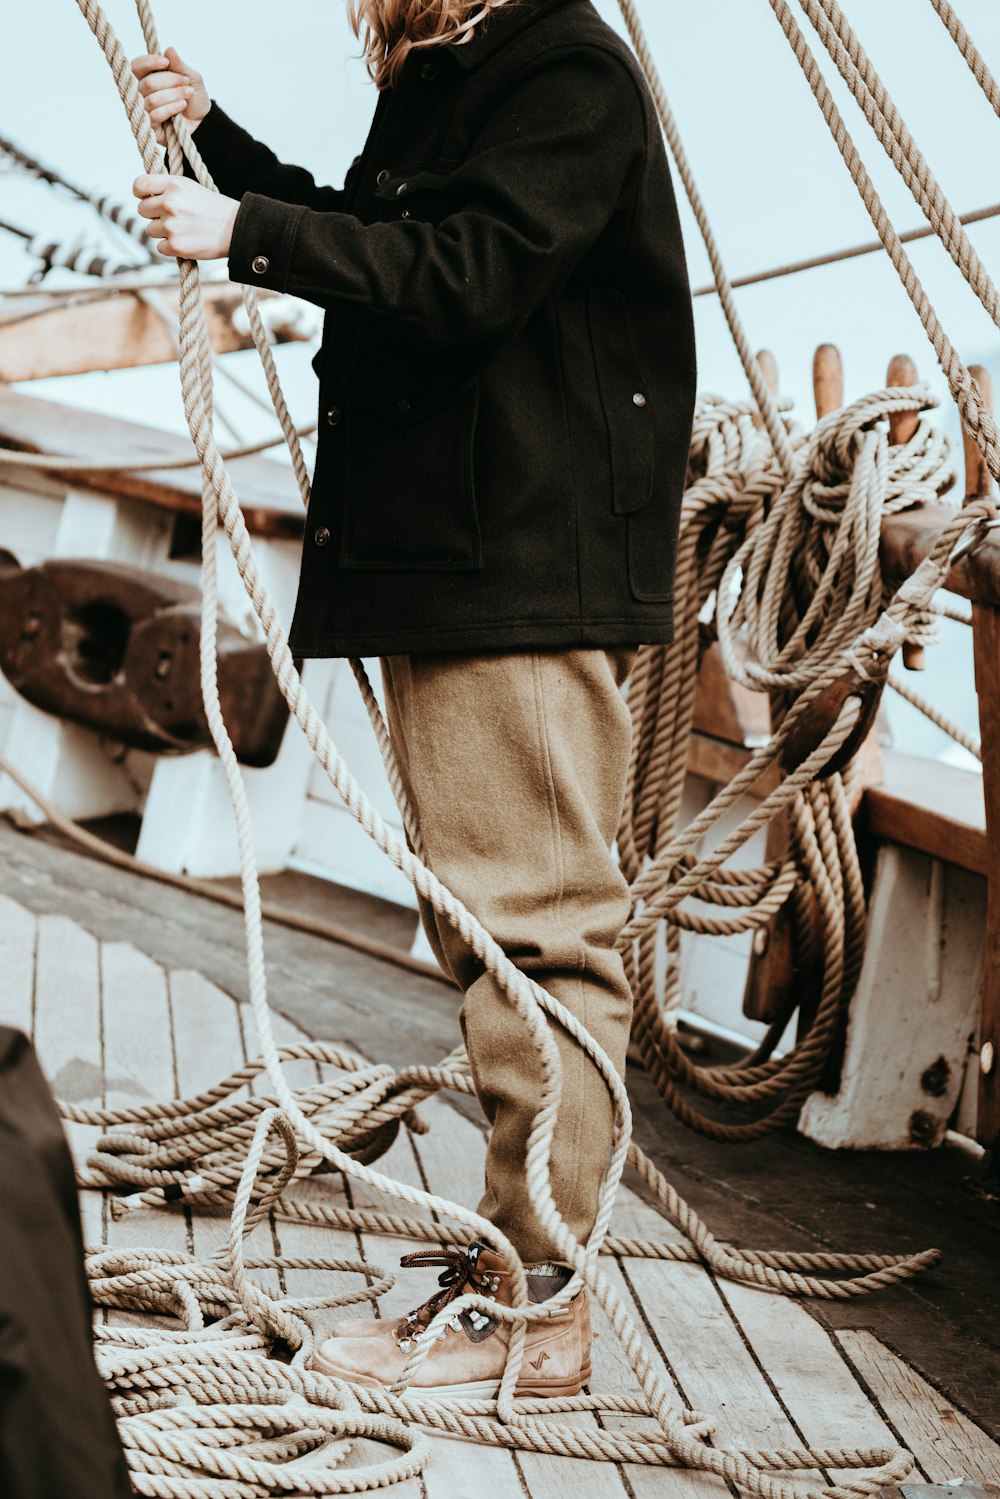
267,490
43,336
909,537
903,425
986,653
718,761
773,976
934,808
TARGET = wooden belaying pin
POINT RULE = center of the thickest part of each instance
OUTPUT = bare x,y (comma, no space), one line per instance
769,369
902,425
978,479
828,380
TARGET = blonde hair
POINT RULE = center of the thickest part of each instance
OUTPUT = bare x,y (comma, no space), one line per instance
389,30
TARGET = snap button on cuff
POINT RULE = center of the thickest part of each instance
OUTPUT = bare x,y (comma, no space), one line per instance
322,536
639,399
260,264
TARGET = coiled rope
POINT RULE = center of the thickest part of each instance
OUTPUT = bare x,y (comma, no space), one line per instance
766,543
205,1411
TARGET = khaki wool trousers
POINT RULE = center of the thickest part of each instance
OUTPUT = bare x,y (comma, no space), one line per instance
515,764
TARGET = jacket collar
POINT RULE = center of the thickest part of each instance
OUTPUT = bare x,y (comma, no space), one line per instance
500,28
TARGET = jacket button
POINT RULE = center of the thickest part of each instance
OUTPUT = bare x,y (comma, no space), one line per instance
383,177
260,264
404,408
639,399
333,416
321,537
429,72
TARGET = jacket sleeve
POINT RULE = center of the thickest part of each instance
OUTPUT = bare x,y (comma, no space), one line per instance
540,184
240,164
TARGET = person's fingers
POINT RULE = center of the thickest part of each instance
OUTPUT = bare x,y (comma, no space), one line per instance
148,63
165,249
147,187
165,111
167,96
160,80
177,62
157,229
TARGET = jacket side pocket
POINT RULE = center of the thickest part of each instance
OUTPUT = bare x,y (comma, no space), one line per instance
630,416
410,501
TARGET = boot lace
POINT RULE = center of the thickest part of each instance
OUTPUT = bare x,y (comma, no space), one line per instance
460,1272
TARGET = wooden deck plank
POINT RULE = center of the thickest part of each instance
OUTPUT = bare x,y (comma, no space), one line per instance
399,1162
67,1030
138,1069
138,1049
703,1346
613,1375
18,936
946,1444
819,1390
68,1010
268,492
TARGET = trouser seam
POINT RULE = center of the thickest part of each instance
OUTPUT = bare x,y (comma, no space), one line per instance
571,1057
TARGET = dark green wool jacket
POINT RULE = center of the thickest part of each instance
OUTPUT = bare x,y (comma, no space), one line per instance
507,369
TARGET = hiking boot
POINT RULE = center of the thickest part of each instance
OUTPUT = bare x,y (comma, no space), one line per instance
468,1354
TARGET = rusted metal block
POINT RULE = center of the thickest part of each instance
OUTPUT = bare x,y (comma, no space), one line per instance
812,728
116,649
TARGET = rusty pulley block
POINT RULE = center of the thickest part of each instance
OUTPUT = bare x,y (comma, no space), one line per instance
813,725
116,649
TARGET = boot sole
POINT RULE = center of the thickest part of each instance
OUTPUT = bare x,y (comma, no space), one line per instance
483,1389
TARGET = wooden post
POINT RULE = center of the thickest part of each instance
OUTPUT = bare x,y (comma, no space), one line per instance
828,380
902,425
769,369
773,978
986,648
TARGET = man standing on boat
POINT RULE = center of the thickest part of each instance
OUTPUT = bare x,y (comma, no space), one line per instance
506,392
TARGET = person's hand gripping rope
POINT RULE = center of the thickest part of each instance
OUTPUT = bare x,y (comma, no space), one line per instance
187,219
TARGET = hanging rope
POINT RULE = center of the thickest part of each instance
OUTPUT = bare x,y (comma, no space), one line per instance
965,45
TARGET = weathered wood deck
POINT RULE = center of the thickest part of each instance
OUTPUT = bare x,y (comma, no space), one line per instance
113,1026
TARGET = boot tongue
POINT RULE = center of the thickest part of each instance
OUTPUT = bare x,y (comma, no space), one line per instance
478,1269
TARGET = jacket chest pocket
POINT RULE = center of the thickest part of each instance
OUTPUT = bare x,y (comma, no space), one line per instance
410,499
630,414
